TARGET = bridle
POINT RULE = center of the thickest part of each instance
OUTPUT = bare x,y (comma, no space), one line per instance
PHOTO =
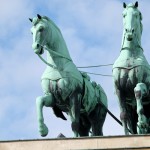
124,48
51,51
137,40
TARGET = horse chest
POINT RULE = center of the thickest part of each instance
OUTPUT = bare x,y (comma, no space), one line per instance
128,79
130,59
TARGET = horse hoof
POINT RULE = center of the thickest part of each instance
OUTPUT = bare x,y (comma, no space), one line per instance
43,130
142,128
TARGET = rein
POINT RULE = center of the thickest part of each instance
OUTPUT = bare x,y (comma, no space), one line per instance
52,66
139,45
56,53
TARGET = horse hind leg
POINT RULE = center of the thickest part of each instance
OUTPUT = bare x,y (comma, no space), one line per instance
84,125
140,91
97,118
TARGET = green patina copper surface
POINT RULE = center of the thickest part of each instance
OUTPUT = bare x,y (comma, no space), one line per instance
65,88
131,73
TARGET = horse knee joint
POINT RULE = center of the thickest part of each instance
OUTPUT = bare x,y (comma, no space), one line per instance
39,100
140,90
138,94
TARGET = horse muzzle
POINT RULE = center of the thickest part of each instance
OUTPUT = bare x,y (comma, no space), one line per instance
129,37
38,49
129,34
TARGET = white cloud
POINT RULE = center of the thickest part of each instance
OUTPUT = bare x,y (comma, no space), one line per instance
13,16
92,31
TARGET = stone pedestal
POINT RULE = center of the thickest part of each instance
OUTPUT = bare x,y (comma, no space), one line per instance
134,142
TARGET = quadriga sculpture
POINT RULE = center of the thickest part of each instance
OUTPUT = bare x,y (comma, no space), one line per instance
65,88
131,73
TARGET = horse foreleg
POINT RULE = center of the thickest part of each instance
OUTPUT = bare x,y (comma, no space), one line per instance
123,112
41,101
75,113
140,90
120,78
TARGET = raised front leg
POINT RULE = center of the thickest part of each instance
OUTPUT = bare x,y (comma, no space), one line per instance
142,125
41,101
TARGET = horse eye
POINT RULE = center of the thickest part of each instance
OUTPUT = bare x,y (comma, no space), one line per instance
124,15
136,15
41,29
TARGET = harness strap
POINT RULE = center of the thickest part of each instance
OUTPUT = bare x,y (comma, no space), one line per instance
139,45
56,53
54,67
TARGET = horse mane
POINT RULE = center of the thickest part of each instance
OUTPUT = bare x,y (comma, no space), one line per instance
50,21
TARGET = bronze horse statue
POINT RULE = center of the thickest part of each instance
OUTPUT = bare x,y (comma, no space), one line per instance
65,88
131,74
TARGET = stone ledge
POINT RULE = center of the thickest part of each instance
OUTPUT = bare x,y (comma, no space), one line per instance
88,143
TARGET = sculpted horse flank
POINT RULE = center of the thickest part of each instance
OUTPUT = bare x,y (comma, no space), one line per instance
65,88
131,73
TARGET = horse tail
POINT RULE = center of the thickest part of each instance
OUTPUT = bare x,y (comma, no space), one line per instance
58,113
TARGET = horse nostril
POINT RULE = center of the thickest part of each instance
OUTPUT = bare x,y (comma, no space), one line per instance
132,30
38,45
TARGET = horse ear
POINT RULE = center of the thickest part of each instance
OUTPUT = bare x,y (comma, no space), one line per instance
39,16
136,4
30,19
124,5
141,16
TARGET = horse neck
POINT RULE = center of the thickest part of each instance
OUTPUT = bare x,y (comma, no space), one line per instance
62,48
58,54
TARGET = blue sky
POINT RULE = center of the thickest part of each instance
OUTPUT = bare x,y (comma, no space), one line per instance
92,31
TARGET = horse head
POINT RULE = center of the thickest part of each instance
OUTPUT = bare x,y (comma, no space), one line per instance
42,33
132,21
